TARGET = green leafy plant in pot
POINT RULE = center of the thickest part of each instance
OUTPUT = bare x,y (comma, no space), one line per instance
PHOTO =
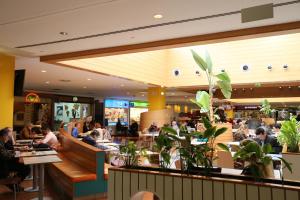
204,99
198,157
267,112
290,135
130,154
257,163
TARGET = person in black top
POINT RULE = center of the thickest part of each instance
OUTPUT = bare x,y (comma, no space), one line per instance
8,161
262,138
134,128
119,127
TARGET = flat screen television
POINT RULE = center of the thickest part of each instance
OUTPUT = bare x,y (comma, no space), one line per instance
19,82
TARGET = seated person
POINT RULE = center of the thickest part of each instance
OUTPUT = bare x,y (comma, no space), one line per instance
49,138
92,138
75,130
8,161
263,138
153,128
9,145
26,132
134,128
276,129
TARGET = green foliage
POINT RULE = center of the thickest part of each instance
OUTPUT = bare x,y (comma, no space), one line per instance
130,154
289,135
266,108
222,80
257,158
163,144
202,154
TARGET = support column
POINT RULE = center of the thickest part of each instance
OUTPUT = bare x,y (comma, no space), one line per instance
156,98
7,73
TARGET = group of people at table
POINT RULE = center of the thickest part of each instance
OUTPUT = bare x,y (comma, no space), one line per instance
11,163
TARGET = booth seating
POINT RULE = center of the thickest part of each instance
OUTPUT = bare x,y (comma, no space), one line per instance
82,172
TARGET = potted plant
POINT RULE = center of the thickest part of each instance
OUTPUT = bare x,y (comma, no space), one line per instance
130,154
267,112
198,157
289,137
257,163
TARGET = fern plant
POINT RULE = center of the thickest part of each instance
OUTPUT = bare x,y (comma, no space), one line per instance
290,135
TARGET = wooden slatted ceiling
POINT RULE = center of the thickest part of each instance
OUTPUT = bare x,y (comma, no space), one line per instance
157,67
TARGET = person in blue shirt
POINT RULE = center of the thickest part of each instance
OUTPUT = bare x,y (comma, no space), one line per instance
75,130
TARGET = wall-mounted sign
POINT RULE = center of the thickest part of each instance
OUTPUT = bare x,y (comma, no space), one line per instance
139,104
32,98
113,103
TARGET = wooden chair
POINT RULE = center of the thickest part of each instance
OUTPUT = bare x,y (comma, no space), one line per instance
11,181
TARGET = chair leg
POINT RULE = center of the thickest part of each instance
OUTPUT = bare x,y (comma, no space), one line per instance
15,192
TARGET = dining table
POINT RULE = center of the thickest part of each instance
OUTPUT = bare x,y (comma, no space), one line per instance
39,163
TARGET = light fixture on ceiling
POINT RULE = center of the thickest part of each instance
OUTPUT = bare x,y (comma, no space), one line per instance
158,16
245,67
162,93
47,82
89,79
84,87
63,33
234,89
43,71
285,67
280,87
269,67
290,87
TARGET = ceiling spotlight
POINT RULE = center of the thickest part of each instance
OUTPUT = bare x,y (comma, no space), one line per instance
244,89
176,72
234,89
285,67
222,70
162,93
63,33
197,73
269,67
251,88
280,87
43,71
158,16
290,87
47,82
245,67
84,87
89,79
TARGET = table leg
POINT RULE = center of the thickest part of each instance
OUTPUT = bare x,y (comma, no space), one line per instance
34,187
41,181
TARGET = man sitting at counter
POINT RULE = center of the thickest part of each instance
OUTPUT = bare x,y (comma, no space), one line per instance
10,164
50,139
262,138
75,130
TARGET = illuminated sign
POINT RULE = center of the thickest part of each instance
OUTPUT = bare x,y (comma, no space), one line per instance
113,103
139,104
32,98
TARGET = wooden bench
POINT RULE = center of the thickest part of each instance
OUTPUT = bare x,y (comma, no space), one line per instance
82,172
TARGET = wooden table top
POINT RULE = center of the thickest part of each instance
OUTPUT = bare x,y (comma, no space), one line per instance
41,159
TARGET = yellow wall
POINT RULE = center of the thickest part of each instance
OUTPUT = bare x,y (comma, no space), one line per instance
6,90
156,98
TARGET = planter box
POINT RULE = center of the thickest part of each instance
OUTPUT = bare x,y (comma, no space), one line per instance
126,183
294,159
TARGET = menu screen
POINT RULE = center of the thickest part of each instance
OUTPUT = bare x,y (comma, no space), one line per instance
116,109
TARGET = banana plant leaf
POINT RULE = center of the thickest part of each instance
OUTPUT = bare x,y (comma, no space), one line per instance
200,62
203,99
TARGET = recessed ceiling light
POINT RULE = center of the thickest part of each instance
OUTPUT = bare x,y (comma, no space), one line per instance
162,93
89,79
158,16
47,82
43,71
63,33
84,87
